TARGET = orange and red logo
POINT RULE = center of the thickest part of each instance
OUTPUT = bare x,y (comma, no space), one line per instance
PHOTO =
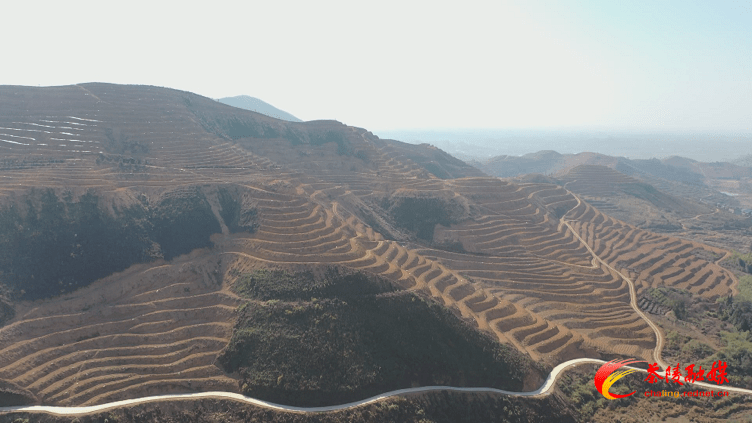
605,376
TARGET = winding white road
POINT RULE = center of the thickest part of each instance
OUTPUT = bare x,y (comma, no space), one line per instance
543,390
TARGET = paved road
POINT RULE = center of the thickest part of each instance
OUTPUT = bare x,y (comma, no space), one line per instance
543,390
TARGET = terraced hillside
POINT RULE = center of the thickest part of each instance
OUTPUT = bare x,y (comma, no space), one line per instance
151,329
531,264
686,210
548,293
678,196
596,182
650,259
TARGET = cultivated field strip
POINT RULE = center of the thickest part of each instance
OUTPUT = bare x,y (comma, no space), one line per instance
127,335
505,225
652,260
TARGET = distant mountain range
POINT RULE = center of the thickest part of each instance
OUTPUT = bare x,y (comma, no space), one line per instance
259,106
484,144
744,161
716,182
667,195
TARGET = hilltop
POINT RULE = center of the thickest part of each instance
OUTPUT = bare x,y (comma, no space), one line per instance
259,106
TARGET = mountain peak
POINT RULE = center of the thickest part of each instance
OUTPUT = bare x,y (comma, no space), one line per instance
259,106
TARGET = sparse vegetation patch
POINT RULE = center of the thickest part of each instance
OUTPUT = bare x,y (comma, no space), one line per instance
358,337
57,246
421,214
236,217
54,244
271,284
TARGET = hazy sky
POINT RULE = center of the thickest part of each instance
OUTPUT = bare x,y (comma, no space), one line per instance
666,65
